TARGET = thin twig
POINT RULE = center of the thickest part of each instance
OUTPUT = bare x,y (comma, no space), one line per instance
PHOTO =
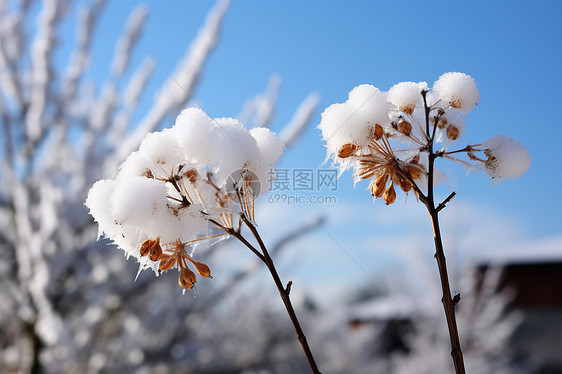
284,292
444,202
238,236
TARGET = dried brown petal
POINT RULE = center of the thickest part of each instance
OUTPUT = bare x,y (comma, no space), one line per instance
452,132
389,194
405,127
347,150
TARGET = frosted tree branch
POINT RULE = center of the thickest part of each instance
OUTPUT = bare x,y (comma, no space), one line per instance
41,66
258,111
129,38
81,55
302,117
177,89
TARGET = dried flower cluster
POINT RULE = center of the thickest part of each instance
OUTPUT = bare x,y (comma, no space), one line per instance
180,186
358,134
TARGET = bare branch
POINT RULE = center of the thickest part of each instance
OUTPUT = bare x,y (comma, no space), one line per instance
444,202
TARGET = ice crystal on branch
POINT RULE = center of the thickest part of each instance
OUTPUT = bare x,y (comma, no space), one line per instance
387,137
180,186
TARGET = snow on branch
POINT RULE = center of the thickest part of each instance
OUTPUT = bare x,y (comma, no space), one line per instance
258,111
129,38
293,130
80,56
42,65
176,91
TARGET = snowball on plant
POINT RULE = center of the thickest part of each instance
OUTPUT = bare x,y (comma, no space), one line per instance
387,137
507,158
457,90
353,122
178,188
405,96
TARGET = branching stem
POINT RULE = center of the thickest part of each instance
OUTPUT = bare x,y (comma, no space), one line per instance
448,304
284,292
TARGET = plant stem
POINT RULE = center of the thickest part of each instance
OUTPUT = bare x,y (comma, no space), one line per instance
448,304
284,292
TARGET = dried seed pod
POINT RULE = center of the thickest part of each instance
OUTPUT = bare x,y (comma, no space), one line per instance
146,246
442,123
191,175
187,278
201,268
379,132
166,262
378,186
405,127
405,184
413,170
148,174
455,103
389,194
347,150
408,109
155,251
452,132
415,159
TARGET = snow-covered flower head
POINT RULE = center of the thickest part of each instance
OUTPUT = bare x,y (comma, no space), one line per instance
457,90
390,137
353,122
181,184
406,95
507,158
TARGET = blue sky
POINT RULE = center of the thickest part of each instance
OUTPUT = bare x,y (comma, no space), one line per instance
513,49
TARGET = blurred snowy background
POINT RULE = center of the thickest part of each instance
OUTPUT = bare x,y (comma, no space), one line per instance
83,81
